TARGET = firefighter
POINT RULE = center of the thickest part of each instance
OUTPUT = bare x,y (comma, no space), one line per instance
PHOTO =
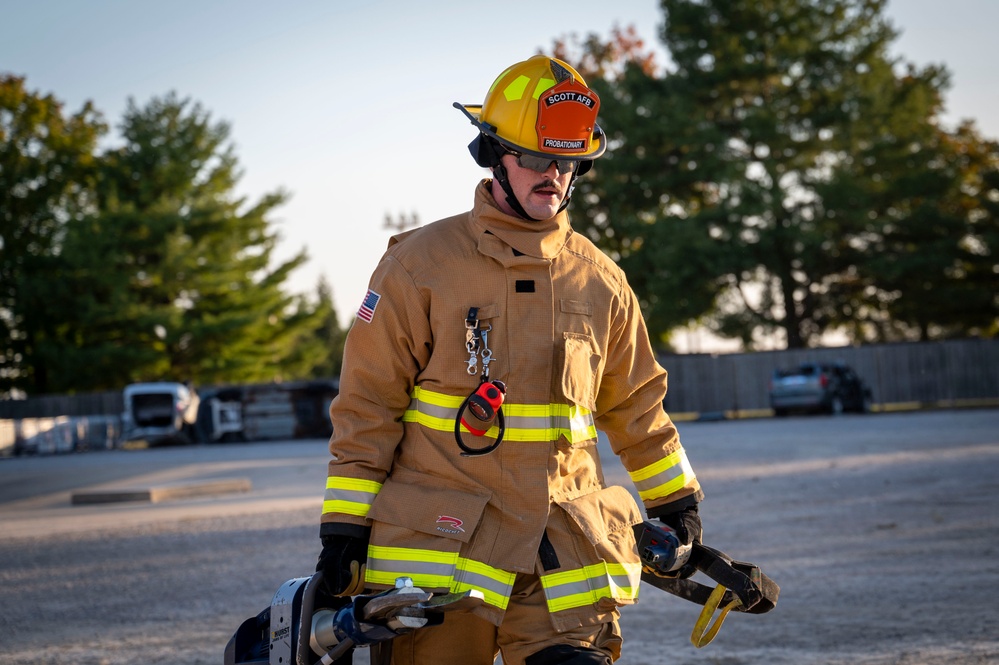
489,349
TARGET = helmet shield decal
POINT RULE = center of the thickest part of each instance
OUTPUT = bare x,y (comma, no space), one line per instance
567,116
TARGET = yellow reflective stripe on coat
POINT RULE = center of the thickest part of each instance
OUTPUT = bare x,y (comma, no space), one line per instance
350,496
433,569
666,476
524,422
583,587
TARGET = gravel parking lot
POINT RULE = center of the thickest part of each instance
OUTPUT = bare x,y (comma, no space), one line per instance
881,530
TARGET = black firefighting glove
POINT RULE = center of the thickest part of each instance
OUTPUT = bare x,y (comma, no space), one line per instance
686,522
687,525
343,562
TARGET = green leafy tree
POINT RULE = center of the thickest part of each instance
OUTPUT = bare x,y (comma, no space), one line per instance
46,176
923,238
749,187
175,277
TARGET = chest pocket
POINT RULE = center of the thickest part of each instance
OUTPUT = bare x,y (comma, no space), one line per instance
581,369
488,312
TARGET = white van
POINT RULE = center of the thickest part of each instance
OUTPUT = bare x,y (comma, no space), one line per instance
159,412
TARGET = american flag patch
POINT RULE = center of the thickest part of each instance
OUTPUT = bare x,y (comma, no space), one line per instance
367,310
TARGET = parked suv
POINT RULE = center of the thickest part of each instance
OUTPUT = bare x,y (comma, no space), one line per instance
818,387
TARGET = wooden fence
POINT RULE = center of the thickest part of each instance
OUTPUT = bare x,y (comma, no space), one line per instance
913,375
957,372
53,406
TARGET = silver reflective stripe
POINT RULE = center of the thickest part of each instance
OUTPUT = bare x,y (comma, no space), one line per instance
582,587
433,569
626,583
415,568
664,477
524,422
568,589
353,496
434,410
350,496
485,578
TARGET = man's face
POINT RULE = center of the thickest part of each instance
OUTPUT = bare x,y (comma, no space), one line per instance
540,194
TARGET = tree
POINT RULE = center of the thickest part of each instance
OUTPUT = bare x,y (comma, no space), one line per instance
46,175
327,359
738,188
924,238
175,276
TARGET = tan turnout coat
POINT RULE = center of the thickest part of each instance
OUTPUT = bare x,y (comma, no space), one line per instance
568,340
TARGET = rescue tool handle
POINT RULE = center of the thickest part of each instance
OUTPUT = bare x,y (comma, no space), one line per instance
742,587
757,592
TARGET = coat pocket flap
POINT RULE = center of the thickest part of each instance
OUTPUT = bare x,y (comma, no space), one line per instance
487,312
604,512
576,307
582,367
433,510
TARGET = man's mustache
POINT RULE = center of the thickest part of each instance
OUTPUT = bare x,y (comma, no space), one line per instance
548,184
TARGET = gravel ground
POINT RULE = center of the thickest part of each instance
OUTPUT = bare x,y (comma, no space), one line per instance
881,530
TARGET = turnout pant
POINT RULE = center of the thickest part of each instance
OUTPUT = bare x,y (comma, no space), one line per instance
526,637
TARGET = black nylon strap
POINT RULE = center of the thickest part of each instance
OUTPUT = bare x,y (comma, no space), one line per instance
744,581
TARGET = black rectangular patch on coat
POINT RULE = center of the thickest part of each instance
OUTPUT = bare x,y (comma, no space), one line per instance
525,286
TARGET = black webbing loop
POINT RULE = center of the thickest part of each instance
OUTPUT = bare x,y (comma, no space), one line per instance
757,592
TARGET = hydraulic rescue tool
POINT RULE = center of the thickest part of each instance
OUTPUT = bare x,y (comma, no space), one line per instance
304,625
660,549
740,586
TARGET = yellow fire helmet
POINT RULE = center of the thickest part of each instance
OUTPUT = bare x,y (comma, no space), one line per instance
542,107
539,107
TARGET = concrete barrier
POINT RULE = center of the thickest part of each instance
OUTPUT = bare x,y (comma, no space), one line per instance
162,492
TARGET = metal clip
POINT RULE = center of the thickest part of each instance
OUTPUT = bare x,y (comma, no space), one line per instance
477,343
472,345
486,353
472,339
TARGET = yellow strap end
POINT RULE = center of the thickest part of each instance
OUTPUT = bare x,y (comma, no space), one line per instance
703,633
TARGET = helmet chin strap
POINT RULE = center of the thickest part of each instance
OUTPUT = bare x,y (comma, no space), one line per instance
488,153
499,172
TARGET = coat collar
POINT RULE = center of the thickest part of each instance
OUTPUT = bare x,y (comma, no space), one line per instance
542,239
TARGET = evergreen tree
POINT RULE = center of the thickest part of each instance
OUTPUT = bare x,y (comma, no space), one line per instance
46,176
329,336
174,278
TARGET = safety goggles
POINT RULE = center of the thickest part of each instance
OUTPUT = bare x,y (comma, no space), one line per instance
541,164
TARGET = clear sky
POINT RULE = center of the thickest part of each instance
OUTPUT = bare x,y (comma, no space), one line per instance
347,104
